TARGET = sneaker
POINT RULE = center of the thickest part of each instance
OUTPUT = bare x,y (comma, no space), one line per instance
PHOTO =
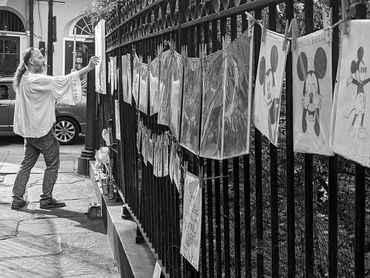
17,204
51,203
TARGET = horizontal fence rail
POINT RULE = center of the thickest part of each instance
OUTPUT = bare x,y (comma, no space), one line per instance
271,213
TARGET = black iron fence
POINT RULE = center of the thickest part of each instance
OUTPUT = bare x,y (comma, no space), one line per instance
272,213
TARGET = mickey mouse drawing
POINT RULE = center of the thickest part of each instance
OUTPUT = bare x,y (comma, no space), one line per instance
270,94
311,96
358,78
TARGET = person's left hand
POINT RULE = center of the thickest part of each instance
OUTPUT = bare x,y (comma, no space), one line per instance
93,62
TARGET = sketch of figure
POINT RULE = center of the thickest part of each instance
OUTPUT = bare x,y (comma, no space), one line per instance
270,93
358,78
311,96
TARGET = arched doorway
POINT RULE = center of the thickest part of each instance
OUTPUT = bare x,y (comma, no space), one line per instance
12,30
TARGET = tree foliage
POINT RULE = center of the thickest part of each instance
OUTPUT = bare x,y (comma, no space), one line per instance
101,9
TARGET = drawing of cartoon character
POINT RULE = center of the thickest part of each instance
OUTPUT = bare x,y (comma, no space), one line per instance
311,96
270,94
358,78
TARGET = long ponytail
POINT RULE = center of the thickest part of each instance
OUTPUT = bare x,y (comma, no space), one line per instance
22,68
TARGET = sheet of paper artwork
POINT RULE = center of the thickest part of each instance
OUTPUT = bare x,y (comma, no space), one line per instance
136,79
312,97
238,97
170,159
165,154
143,102
176,93
155,155
126,79
139,135
268,86
350,121
144,147
189,137
100,71
157,271
177,172
118,119
154,86
226,106
165,88
192,220
150,148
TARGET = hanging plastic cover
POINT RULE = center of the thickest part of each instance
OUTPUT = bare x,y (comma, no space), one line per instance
212,108
238,97
190,122
269,84
165,88
312,93
154,86
143,96
226,106
176,93
350,122
126,78
136,79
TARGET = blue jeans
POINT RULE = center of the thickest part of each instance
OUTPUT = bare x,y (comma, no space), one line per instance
47,145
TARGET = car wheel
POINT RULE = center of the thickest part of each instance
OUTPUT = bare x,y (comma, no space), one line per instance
66,130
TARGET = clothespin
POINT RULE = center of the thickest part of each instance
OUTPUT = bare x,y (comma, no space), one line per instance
286,35
345,17
294,31
264,27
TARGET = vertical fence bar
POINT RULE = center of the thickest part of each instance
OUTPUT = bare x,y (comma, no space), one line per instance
274,199
333,170
360,197
290,156
308,196
258,167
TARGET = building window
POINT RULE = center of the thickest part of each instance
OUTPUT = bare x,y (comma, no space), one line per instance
84,26
10,22
9,55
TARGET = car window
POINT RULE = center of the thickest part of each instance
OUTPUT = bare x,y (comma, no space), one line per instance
6,91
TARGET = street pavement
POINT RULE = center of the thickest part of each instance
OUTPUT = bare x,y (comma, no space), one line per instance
61,242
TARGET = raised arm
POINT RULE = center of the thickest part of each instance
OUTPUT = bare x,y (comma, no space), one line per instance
91,66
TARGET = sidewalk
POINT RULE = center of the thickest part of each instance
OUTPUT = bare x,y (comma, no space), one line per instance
51,243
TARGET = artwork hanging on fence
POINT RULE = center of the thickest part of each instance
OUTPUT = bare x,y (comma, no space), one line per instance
100,71
143,96
165,88
154,86
126,79
139,135
150,147
350,123
118,119
226,107
157,271
175,95
312,98
177,171
269,84
145,143
166,143
192,220
192,94
136,79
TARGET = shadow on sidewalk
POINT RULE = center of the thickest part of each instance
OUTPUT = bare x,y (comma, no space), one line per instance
94,225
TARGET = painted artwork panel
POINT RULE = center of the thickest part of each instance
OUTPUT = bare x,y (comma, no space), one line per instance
237,109
312,93
166,143
136,79
129,77
269,84
192,220
118,119
351,111
165,88
100,71
154,86
176,93
143,96
190,123
212,108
